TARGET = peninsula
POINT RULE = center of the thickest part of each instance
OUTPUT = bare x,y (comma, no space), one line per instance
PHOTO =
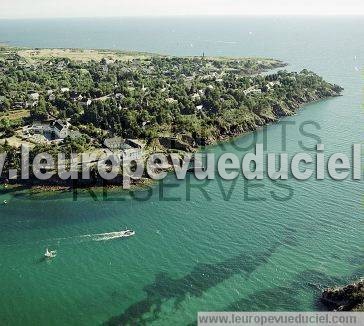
74,101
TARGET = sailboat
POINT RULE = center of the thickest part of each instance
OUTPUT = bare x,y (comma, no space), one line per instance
50,254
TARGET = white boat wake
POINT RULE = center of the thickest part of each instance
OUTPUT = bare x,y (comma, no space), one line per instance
78,239
108,236
102,236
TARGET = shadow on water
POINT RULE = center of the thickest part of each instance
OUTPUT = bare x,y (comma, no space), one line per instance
41,260
286,298
206,276
44,260
274,299
201,278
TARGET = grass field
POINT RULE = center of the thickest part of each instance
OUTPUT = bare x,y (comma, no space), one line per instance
15,114
81,55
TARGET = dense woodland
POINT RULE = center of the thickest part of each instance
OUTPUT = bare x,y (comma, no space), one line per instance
204,99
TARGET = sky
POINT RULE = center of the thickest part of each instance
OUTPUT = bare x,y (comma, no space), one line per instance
120,8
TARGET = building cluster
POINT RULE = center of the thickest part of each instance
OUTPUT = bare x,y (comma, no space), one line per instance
56,130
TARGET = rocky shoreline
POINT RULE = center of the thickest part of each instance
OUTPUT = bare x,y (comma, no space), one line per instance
279,112
345,298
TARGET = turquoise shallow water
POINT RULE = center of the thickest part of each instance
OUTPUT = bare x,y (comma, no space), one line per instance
212,252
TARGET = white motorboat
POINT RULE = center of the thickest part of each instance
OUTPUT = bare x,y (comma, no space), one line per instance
127,233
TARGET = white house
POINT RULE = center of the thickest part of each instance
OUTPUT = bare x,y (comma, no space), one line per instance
34,97
61,129
57,130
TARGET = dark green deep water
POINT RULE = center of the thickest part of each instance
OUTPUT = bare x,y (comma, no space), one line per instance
203,253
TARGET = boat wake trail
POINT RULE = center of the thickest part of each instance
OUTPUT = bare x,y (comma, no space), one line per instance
80,238
103,236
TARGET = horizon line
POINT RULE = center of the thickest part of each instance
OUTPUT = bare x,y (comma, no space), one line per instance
190,15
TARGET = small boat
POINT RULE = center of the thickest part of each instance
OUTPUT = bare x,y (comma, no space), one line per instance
127,233
5,202
50,254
